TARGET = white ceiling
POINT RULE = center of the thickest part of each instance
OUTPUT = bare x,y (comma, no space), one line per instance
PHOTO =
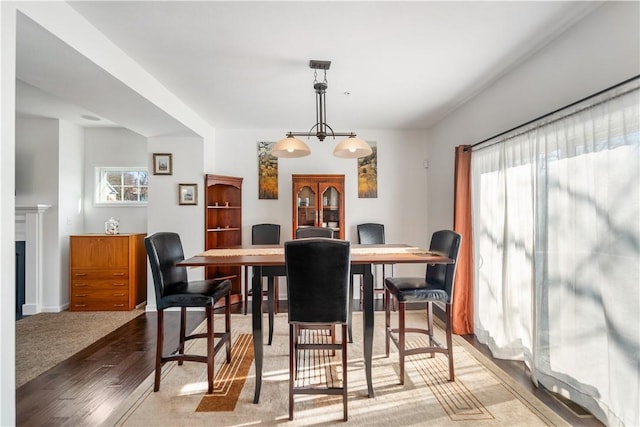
244,65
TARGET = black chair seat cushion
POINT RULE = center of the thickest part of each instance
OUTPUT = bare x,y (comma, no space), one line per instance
274,271
197,293
415,289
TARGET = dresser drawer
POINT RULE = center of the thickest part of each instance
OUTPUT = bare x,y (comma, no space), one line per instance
108,274
99,299
99,284
102,305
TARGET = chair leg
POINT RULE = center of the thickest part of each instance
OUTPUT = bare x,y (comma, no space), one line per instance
449,342
292,366
276,292
183,330
270,305
387,320
350,325
332,331
384,274
430,326
401,341
344,373
227,324
246,288
159,348
210,348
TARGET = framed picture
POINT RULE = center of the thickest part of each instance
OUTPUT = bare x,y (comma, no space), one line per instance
368,174
162,164
267,171
188,194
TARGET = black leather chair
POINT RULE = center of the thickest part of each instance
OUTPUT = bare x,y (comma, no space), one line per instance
174,290
436,286
266,234
317,295
302,233
368,234
262,234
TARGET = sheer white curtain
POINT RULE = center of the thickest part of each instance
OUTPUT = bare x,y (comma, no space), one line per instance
556,217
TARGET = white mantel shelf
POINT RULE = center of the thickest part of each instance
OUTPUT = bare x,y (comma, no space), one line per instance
29,229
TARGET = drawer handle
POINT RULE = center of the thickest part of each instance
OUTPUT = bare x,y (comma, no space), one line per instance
80,295
79,285
118,284
118,274
79,274
118,305
80,305
118,295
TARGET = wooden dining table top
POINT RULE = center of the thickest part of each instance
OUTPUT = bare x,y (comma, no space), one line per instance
273,255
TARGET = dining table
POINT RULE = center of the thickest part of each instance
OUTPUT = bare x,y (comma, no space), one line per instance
258,256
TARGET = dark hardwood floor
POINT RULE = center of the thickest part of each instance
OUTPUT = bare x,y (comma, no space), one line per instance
84,389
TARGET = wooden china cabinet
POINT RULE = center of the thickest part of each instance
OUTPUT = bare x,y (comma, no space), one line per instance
318,201
223,225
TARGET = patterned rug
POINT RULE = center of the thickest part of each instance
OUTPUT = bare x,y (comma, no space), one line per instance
482,394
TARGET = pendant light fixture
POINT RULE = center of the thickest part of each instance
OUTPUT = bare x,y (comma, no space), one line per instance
351,148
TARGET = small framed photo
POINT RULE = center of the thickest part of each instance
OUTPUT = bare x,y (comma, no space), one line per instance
162,164
188,194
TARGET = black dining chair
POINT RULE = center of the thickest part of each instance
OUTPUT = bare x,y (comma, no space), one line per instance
266,234
262,234
317,295
173,289
368,234
436,286
306,232
371,234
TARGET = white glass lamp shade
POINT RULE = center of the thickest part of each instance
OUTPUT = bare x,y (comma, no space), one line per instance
352,148
290,147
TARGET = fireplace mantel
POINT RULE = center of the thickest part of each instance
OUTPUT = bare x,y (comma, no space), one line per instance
29,229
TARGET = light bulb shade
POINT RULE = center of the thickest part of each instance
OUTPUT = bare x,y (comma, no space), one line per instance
290,147
352,148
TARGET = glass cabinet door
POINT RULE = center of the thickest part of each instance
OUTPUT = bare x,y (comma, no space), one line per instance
330,214
307,207
318,201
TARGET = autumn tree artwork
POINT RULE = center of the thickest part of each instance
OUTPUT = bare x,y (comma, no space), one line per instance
368,174
267,172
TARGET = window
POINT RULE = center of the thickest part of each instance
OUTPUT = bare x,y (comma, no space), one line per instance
122,185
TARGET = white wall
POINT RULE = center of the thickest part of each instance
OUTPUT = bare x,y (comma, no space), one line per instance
598,52
70,217
7,214
112,147
165,214
401,181
37,181
36,161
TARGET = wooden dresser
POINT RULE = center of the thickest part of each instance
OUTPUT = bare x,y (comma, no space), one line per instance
107,272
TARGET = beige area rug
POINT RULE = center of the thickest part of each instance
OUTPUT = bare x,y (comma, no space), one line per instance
46,339
482,394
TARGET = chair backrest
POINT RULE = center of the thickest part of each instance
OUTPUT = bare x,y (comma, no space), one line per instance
447,243
164,250
370,233
305,232
318,280
265,234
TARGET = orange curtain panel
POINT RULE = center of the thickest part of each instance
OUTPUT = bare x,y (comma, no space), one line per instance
463,294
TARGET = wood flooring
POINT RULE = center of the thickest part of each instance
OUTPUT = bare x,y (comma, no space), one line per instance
84,389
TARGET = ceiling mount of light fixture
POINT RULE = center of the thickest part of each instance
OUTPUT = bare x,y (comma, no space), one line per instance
352,147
